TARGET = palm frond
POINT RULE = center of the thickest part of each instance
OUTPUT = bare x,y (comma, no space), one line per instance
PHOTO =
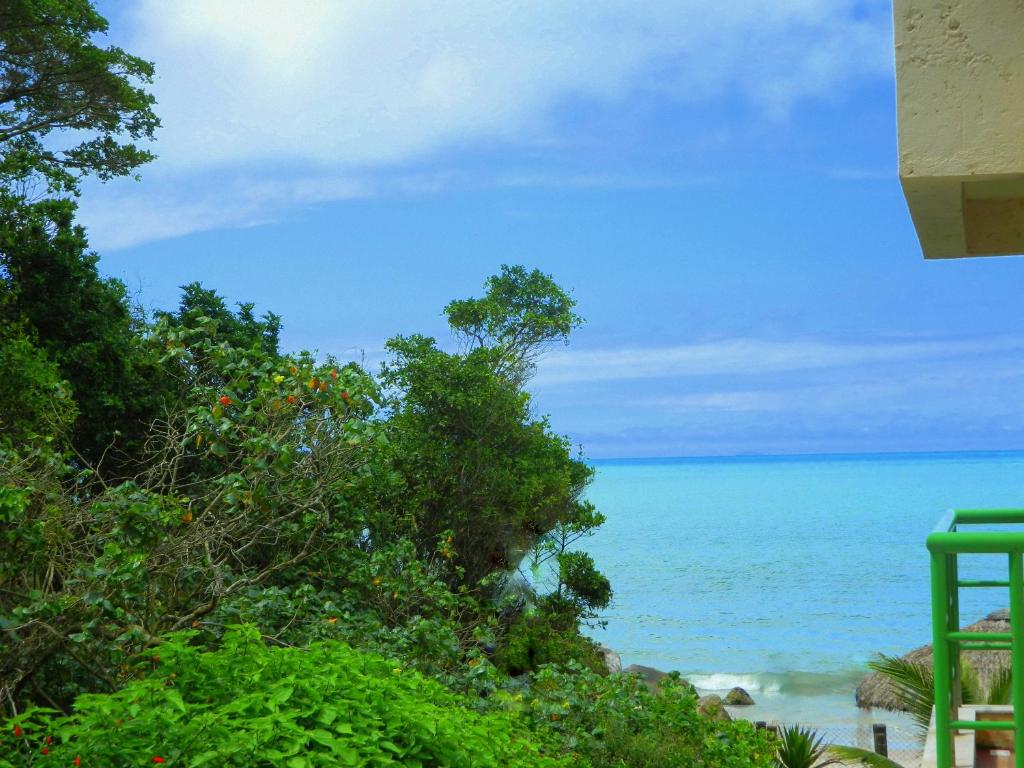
866,757
913,684
971,689
1000,690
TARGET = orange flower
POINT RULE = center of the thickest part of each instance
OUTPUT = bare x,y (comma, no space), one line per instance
334,373
294,370
332,620
323,386
187,517
224,400
290,400
345,395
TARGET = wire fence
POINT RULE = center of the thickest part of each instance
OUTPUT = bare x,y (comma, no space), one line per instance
903,745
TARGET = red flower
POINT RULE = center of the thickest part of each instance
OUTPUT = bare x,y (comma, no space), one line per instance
158,759
77,761
224,400
17,730
46,750
290,399
48,740
345,395
334,374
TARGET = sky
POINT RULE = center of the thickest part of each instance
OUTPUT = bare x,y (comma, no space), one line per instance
715,183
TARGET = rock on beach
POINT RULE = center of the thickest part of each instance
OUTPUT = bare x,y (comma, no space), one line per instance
738,697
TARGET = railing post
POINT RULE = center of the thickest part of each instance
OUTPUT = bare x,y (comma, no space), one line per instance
881,739
940,654
1017,653
953,625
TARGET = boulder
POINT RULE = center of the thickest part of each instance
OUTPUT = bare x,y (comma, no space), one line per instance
876,691
650,675
612,660
738,697
713,707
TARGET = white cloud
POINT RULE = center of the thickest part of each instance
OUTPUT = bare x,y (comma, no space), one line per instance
357,83
311,91
745,357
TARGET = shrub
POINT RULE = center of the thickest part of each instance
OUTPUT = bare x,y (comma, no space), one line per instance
250,705
545,637
615,721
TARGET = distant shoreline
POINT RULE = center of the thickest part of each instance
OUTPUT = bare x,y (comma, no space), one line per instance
828,456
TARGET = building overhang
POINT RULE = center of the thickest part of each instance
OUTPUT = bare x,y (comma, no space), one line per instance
960,108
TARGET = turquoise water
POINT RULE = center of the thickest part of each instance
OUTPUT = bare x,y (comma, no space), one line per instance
785,574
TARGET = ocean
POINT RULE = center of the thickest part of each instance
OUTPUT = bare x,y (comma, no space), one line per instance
784,575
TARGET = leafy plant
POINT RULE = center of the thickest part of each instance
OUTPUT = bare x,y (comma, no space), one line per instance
614,721
802,748
914,685
862,757
247,704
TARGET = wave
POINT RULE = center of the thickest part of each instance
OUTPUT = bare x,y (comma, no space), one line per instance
791,683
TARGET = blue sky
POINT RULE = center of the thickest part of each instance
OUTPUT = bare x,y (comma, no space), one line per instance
716,183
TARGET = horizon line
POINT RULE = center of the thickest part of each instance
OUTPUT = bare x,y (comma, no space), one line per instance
754,455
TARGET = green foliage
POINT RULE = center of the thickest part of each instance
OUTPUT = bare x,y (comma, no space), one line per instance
241,330
242,484
582,584
465,452
546,637
55,78
914,685
802,748
35,403
615,721
247,704
469,458
862,757
520,314
49,285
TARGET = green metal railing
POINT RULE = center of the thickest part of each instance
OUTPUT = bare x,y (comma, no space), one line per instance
945,543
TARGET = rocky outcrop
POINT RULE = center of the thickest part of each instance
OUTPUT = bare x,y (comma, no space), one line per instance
650,675
738,697
612,660
876,691
712,706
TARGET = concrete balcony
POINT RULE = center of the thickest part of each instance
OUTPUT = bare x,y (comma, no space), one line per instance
960,106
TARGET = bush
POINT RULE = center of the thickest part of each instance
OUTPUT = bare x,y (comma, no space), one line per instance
544,637
241,485
250,705
615,721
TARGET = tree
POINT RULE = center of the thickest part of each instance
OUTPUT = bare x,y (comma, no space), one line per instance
517,318
464,452
84,323
53,78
